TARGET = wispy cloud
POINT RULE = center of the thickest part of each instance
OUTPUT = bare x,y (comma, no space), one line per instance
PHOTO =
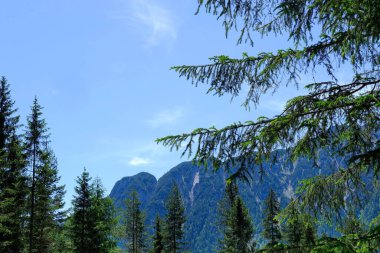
137,161
155,23
166,117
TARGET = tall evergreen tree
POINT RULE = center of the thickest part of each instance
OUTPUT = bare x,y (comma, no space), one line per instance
158,246
238,235
93,217
174,222
236,224
294,229
12,176
35,143
271,225
82,225
46,197
134,221
48,202
103,213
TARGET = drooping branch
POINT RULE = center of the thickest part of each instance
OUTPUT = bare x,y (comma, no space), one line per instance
343,118
266,71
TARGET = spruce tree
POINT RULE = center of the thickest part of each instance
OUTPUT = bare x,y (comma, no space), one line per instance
134,225
103,214
46,196
93,218
271,227
238,235
236,224
35,141
158,246
294,229
48,202
12,176
13,200
174,222
82,225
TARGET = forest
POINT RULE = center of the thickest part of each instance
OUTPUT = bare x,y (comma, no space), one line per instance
343,118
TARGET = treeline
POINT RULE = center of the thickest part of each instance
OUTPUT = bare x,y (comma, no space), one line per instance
95,226
289,230
32,218
32,215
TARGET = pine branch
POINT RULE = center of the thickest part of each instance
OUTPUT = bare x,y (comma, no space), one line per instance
343,118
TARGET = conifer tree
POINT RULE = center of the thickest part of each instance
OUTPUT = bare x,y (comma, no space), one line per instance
135,228
46,196
82,225
174,222
237,227
294,229
103,214
351,224
271,225
239,231
48,202
36,141
12,176
93,217
225,205
158,246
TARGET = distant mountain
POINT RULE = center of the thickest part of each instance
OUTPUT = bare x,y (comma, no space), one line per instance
201,192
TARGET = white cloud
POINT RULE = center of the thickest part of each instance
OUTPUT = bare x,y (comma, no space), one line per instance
166,117
137,161
156,23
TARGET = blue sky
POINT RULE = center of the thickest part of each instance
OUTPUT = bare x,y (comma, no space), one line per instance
101,71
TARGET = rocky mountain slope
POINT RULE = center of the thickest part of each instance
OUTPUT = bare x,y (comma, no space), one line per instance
202,190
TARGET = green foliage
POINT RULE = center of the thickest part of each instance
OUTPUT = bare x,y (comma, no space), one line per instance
46,196
62,242
48,202
236,223
294,231
104,216
82,224
174,222
13,182
134,225
299,230
342,117
351,224
158,246
271,225
93,218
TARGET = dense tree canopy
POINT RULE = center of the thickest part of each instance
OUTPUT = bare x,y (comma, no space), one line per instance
341,117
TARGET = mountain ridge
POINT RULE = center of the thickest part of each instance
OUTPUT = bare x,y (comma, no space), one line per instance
201,191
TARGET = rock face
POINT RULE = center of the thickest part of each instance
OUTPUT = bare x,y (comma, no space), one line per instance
201,191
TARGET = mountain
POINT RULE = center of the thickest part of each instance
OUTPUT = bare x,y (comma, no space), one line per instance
201,191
